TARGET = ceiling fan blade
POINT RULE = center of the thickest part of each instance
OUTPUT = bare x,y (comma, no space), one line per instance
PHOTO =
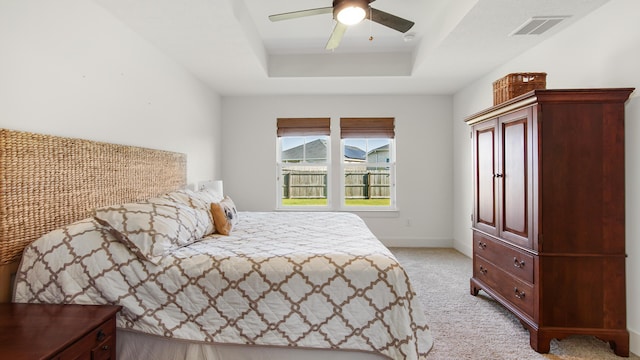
336,35
301,13
388,20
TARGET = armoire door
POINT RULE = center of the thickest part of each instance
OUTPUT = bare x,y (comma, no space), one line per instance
513,177
485,167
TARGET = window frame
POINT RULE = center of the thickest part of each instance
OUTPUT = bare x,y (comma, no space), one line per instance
392,178
303,128
350,128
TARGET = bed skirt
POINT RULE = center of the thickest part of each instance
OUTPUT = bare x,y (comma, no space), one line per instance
135,346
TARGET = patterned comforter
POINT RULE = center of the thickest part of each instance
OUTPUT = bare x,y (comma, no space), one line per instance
317,280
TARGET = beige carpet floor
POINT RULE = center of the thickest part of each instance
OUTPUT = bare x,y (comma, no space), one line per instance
477,327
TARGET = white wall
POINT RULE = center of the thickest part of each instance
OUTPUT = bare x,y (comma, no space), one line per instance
68,68
423,145
601,50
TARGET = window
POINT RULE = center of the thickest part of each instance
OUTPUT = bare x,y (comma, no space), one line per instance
368,163
364,173
303,162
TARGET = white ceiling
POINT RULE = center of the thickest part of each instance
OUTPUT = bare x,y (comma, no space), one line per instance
233,47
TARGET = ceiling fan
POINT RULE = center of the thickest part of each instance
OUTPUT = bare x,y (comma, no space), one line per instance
347,13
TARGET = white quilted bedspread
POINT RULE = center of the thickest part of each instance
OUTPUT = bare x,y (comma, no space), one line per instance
317,280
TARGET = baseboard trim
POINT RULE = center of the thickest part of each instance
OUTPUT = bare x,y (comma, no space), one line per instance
463,248
634,342
418,243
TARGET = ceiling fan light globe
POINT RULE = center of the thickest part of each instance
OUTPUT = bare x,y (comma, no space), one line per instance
351,15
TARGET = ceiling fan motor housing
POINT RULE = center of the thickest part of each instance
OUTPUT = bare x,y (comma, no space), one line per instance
339,5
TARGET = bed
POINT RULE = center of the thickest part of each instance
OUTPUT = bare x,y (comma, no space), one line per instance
290,285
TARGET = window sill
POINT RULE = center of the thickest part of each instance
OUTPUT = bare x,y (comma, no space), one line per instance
364,212
305,209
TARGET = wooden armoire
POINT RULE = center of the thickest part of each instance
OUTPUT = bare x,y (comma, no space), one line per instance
549,212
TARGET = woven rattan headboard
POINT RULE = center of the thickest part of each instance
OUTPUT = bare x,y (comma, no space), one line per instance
49,181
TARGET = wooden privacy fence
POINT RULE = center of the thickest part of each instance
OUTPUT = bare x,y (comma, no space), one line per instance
308,184
369,184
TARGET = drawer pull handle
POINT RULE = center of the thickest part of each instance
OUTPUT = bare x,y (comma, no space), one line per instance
101,335
482,245
483,270
519,294
518,264
105,348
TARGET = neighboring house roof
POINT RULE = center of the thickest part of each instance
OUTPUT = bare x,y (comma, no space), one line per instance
317,149
379,149
352,152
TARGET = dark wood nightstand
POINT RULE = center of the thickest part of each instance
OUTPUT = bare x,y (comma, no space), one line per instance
46,331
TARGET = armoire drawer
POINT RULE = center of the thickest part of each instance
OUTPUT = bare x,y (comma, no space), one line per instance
515,262
514,290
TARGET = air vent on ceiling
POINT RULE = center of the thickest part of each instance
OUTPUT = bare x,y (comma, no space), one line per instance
538,25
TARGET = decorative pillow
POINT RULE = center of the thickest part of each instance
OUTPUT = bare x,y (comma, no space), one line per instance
151,229
225,215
